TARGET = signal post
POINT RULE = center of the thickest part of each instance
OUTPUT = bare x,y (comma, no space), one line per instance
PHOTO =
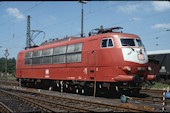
6,56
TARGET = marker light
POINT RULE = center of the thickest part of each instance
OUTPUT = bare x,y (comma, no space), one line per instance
149,68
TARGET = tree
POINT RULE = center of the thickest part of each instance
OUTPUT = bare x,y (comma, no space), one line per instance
11,63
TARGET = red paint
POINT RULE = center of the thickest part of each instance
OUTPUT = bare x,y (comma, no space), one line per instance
100,64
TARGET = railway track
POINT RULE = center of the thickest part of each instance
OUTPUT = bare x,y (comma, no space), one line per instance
63,104
4,108
154,94
155,97
149,95
10,103
151,100
153,91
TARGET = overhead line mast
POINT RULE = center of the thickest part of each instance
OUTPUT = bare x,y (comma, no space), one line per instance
82,18
28,41
31,35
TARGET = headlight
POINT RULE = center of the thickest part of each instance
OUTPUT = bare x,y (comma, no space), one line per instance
149,68
126,68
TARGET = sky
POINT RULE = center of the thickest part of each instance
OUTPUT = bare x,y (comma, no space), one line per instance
148,19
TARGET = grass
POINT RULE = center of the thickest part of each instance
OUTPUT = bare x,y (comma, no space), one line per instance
9,77
158,85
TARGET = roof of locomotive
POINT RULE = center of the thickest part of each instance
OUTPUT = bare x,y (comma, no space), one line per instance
95,33
71,40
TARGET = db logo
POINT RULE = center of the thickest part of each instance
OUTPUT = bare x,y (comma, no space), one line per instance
141,57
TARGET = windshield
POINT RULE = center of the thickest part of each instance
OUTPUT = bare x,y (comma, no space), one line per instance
139,42
131,42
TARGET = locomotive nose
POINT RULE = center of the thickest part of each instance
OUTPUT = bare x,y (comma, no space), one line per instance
134,72
137,55
137,78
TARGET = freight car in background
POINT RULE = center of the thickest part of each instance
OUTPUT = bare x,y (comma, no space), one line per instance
163,57
104,60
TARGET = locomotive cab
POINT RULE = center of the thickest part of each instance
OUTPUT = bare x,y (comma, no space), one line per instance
124,56
134,66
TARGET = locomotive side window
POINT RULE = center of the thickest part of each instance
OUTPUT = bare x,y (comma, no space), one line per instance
104,43
57,55
28,61
36,61
59,50
36,57
74,57
47,52
59,59
37,53
74,53
74,48
107,42
28,55
47,60
110,43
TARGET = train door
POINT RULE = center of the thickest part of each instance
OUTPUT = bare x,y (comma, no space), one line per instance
92,64
93,45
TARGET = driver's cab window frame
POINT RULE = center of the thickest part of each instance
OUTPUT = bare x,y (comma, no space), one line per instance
135,42
107,42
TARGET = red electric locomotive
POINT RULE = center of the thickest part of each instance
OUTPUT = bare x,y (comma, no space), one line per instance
106,59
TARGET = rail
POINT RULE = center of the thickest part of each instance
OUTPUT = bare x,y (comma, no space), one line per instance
55,103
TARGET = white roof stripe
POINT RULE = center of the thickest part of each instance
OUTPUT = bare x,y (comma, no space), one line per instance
158,52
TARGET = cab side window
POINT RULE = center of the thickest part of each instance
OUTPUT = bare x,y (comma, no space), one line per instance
104,43
107,43
110,43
